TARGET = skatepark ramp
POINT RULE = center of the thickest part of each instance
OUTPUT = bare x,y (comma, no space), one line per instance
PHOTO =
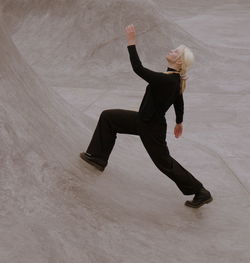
62,63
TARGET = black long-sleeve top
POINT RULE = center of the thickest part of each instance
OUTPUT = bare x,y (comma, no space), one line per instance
162,91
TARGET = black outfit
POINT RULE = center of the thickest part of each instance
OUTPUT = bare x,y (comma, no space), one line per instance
149,123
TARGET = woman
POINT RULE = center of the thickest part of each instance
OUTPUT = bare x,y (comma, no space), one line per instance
163,90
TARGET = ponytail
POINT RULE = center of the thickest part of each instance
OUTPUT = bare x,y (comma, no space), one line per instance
187,61
184,79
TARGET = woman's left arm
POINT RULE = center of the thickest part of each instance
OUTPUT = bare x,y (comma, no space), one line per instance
147,74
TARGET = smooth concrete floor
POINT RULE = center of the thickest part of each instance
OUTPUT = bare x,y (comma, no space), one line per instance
63,63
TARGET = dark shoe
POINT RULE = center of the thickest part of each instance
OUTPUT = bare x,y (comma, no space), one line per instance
98,163
201,198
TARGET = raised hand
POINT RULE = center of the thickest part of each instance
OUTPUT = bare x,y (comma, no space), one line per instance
131,34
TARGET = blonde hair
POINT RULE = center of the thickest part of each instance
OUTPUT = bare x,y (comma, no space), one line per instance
187,58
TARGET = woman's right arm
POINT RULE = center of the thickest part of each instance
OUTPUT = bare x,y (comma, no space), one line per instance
179,111
179,108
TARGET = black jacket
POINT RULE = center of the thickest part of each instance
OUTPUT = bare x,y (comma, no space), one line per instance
162,91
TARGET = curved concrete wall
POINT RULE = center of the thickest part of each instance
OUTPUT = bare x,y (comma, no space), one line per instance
62,63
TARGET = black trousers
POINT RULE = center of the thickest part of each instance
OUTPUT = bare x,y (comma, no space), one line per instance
153,137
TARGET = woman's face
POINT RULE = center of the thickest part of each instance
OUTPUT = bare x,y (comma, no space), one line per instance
173,55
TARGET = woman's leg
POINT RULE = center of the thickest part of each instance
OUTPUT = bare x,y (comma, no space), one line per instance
154,140
111,122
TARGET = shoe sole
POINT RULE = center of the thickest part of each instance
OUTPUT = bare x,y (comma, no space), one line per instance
187,203
96,165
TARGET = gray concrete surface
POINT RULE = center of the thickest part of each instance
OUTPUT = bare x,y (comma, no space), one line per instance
62,63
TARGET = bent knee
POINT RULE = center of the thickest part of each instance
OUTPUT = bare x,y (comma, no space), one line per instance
106,113
111,113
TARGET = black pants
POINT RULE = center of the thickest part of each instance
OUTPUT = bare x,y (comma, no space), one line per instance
153,137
